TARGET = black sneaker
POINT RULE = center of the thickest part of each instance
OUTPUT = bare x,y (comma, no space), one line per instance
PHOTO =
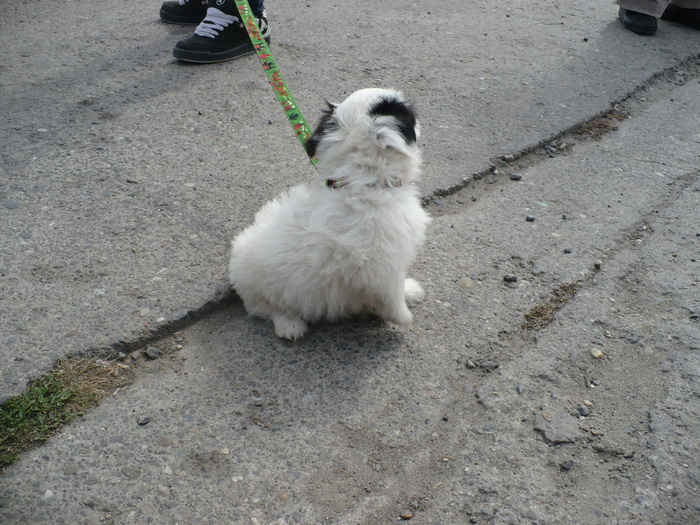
218,38
183,11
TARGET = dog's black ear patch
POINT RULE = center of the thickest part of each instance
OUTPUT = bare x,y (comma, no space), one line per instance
325,126
403,113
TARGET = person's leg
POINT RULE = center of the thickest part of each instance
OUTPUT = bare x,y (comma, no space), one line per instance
256,6
687,4
183,11
686,12
221,36
647,7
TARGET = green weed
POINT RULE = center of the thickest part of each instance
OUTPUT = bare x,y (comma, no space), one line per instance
51,401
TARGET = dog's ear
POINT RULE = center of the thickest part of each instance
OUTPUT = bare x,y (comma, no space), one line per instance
389,137
327,125
397,126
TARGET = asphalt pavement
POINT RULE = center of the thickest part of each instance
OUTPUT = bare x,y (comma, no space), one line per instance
125,174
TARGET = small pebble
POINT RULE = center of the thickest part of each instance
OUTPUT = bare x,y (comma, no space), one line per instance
510,278
515,176
489,366
143,420
568,250
465,283
470,364
508,158
588,403
583,410
131,473
597,354
406,515
567,465
152,352
529,218
597,265
71,469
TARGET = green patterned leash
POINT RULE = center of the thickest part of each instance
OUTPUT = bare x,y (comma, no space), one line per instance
274,75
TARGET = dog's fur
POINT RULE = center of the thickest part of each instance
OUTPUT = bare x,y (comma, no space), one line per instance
327,250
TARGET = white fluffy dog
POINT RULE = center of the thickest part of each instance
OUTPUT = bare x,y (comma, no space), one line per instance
332,248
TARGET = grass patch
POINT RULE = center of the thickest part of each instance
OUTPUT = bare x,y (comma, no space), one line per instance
543,314
73,386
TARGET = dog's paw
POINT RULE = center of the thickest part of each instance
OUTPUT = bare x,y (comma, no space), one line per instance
397,314
288,327
414,292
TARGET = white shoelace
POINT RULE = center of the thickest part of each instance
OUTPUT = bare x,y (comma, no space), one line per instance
214,22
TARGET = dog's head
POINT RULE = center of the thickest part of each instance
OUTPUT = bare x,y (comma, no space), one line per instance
369,138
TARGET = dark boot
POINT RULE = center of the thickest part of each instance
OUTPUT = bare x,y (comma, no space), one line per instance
638,22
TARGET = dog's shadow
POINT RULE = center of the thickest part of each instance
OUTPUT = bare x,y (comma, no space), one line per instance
276,383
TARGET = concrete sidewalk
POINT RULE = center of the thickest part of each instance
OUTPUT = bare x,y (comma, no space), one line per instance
466,417
126,174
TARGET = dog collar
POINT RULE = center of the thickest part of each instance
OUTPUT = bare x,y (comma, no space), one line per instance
339,183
